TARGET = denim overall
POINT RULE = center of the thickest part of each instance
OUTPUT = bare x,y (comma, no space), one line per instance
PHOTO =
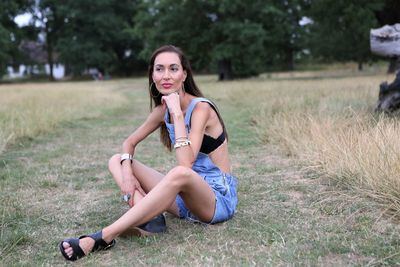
223,184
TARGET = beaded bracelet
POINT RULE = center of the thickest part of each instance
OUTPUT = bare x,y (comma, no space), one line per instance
181,138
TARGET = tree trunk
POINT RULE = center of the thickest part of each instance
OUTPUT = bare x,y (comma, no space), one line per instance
289,59
49,44
394,65
50,61
360,65
225,70
67,70
385,41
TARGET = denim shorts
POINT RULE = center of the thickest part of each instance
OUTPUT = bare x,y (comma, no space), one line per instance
224,187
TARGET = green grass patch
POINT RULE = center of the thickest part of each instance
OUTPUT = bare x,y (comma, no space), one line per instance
56,185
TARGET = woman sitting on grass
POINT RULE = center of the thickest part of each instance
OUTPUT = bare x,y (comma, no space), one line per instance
200,188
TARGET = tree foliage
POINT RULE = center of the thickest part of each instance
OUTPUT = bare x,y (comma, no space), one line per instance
96,34
213,33
49,15
10,34
232,37
89,34
341,29
389,13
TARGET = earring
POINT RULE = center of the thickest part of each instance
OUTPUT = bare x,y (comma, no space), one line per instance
150,90
183,87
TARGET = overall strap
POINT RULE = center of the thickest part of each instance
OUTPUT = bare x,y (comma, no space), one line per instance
191,106
189,110
166,116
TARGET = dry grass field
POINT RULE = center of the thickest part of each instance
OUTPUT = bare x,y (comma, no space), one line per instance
28,110
330,126
317,169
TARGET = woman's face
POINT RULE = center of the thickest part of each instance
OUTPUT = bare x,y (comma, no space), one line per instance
168,73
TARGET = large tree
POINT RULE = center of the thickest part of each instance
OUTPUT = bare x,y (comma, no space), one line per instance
49,18
89,34
215,34
97,34
10,34
340,31
286,37
172,22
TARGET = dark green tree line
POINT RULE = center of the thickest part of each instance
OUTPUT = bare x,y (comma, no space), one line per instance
10,34
236,38
89,34
215,34
233,38
340,31
48,14
97,34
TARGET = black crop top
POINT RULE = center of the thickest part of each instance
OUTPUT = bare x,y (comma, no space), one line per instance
209,143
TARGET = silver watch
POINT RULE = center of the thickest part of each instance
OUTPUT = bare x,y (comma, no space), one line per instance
126,156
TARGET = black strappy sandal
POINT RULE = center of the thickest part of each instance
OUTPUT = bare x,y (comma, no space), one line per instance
156,225
99,244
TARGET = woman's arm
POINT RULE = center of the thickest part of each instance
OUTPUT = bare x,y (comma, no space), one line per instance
186,155
199,122
130,183
151,123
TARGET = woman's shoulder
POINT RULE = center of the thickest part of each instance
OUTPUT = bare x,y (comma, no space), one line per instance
201,101
202,106
158,112
204,109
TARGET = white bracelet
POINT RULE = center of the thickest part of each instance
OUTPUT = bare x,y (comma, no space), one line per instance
126,156
181,144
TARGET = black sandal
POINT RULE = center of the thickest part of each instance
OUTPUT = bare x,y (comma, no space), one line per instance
99,244
156,225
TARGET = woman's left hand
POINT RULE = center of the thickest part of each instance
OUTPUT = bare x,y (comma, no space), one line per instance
173,103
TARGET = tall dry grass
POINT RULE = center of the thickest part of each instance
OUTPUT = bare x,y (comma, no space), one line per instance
330,126
325,119
27,110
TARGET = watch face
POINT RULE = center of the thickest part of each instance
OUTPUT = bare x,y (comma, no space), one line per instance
125,156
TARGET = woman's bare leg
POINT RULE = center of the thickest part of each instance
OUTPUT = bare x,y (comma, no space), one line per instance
147,177
196,193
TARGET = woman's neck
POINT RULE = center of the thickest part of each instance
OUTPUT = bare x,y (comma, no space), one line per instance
185,101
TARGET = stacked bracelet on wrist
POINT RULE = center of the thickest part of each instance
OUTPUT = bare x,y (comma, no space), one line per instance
181,138
181,141
126,156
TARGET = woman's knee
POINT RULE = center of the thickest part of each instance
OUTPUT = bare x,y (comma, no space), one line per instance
114,161
179,175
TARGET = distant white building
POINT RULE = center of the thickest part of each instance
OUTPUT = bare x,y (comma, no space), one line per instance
58,71
34,62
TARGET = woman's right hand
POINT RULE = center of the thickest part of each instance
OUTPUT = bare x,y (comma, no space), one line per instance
172,102
130,186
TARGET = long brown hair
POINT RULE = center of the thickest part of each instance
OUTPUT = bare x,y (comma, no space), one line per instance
189,85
